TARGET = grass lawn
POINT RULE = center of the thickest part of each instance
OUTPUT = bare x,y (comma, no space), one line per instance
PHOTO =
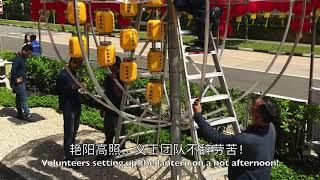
270,46
265,45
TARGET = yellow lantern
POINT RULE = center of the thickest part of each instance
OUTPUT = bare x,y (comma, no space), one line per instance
82,13
154,3
128,9
253,17
155,30
154,92
318,12
129,39
267,15
238,20
128,71
155,61
282,16
106,54
74,46
105,23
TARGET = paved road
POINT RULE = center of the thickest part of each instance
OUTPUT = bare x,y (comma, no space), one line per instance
294,86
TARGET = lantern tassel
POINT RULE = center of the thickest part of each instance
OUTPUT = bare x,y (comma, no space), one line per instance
266,23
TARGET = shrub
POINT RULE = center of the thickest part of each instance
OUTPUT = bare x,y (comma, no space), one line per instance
91,116
42,72
7,55
7,98
49,101
281,171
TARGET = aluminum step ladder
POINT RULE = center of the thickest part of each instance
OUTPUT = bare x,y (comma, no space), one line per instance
223,95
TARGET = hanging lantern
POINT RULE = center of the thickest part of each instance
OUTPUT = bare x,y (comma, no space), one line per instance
129,39
105,22
106,54
318,12
282,16
82,13
128,9
154,92
253,17
238,20
128,71
155,60
267,15
253,9
74,46
154,3
155,30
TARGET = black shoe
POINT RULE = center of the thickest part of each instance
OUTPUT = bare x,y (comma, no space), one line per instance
194,49
29,118
20,116
197,49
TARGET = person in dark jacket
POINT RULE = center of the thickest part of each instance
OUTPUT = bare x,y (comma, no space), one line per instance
198,10
18,82
257,141
114,93
70,105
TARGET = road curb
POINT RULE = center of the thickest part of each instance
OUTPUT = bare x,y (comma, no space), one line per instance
270,52
227,47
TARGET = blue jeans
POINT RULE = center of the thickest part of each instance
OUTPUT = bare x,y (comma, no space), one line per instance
110,125
21,99
71,121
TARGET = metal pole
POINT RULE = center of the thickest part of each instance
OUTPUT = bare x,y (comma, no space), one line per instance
313,42
54,16
39,30
175,79
139,16
206,44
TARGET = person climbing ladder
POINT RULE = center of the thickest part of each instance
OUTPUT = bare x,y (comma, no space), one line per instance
198,10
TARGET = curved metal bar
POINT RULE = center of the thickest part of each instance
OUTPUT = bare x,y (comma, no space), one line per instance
298,35
219,53
84,55
127,116
109,71
206,44
276,55
270,65
91,24
225,31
